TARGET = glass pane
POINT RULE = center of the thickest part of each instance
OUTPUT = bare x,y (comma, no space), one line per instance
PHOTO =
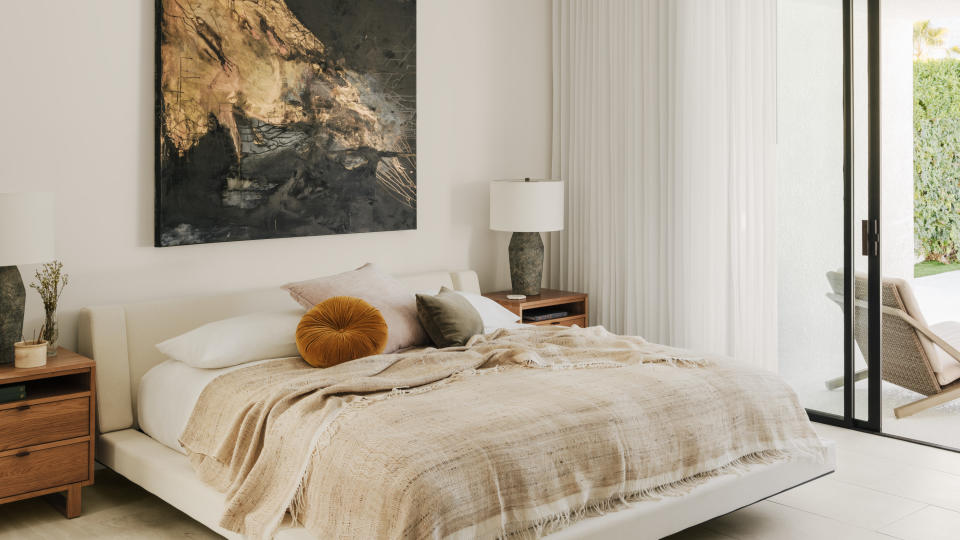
810,199
861,153
920,49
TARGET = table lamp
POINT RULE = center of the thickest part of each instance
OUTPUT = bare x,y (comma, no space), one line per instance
526,208
26,237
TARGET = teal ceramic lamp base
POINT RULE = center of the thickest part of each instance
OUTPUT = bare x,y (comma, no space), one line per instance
12,300
526,262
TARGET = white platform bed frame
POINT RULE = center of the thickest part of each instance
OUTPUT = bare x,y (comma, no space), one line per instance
121,339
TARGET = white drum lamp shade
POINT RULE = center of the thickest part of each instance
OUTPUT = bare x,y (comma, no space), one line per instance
526,206
26,228
26,237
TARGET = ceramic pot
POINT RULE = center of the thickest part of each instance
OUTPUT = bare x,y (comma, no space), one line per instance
29,355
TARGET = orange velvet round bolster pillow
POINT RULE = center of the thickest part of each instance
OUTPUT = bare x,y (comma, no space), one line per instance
340,329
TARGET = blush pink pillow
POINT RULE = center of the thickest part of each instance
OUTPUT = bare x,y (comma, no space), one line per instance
396,302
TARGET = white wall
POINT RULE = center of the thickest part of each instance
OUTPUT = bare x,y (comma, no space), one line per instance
77,109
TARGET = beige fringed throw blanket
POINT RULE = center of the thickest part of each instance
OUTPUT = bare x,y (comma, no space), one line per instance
518,432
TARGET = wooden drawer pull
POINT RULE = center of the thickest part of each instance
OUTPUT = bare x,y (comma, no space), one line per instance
22,453
23,408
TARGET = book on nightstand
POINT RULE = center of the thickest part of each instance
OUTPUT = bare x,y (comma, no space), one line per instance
12,392
542,315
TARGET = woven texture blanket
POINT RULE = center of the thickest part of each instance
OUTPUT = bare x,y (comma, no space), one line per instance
516,433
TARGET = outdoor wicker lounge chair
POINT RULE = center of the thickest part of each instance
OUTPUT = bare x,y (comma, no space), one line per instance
918,357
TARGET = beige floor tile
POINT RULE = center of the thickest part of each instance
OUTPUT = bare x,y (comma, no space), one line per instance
921,484
848,503
893,449
930,523
768,520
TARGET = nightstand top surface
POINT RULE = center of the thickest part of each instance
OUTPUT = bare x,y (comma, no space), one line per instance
546,297
64,361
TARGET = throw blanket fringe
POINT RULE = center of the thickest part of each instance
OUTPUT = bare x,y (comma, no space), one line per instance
679,488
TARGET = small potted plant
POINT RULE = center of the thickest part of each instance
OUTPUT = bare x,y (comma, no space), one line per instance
50,282
30,353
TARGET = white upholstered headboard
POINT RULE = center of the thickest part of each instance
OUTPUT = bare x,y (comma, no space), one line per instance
122,338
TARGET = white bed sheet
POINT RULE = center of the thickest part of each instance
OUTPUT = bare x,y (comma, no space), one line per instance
168,393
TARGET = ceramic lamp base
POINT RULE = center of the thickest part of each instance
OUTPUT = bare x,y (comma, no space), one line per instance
526,262
12,299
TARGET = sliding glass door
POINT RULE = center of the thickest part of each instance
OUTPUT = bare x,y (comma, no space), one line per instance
828,207
920,122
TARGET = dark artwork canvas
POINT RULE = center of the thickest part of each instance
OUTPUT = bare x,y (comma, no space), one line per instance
280,118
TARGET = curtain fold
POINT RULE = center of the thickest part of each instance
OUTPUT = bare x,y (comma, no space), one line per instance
663,129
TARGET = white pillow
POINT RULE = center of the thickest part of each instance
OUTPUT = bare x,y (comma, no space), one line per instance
493,314
237,340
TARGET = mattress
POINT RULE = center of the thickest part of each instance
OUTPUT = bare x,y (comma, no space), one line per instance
168,393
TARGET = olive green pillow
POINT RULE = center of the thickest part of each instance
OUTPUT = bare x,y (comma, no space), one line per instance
448,318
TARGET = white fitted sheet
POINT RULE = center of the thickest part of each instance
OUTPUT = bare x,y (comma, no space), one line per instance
168,393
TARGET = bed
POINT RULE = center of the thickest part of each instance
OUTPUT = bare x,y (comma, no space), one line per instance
122,340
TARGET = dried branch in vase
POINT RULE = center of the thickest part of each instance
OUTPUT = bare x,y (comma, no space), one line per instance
50,282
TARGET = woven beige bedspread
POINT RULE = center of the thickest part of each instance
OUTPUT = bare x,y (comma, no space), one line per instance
519,432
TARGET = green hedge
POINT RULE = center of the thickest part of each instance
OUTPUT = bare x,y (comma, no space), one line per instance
936,151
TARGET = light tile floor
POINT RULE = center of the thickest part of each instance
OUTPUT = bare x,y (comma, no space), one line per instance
883,488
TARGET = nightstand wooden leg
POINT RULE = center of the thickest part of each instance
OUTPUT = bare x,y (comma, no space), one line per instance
74,501
68,503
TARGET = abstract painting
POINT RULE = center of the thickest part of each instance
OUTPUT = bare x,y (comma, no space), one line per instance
279,118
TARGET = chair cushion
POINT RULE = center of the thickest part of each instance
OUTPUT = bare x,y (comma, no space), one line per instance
944,365
910,303
340,329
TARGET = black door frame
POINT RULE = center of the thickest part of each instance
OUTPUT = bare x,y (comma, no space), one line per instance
874,377
848,420
874,394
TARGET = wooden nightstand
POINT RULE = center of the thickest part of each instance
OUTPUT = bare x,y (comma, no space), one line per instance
575,304
47,439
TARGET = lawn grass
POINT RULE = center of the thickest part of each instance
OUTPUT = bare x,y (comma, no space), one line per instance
929,268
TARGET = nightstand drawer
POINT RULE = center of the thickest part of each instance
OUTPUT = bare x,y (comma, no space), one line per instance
579,320
45,422
26,471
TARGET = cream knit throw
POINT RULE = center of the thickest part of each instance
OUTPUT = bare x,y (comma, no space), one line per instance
488,440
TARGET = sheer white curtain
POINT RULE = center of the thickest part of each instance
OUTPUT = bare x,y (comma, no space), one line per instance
664,130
